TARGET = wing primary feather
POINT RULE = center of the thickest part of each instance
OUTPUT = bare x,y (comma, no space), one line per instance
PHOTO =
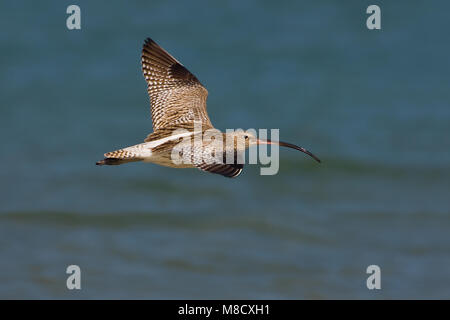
176,95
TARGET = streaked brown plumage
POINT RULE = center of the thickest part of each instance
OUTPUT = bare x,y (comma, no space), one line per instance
178,103
176,95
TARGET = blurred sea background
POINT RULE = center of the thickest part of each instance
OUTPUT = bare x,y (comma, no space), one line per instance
373,105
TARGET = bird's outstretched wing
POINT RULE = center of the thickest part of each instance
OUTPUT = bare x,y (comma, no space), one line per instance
176,95
207,162
227,170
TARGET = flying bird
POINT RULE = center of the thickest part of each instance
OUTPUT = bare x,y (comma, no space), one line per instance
178,105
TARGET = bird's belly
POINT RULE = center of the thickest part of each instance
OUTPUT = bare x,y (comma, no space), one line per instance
166,160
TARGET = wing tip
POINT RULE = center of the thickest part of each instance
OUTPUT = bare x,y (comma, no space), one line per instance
237,174
225,170
149,41
154,51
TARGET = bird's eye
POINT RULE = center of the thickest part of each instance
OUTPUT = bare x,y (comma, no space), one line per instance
246,137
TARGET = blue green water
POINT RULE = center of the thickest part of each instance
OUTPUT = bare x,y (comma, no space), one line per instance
373,105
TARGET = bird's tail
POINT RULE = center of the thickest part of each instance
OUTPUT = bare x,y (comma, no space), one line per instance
118,157
115,162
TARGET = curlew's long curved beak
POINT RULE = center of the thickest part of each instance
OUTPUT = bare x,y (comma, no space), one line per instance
289,145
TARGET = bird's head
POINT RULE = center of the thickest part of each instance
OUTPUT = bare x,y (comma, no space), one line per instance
242,139
246,139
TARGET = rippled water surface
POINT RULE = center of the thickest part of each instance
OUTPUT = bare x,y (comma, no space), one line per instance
373,105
